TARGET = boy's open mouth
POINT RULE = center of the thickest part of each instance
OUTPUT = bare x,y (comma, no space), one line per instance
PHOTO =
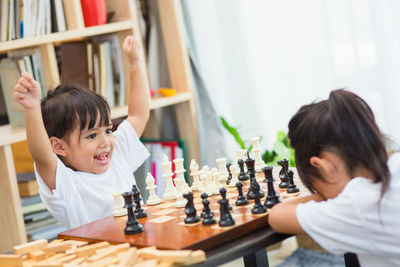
102,158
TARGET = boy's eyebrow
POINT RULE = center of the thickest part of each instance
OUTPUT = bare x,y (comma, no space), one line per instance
95,128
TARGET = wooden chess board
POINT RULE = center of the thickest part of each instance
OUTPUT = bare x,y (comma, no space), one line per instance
164,226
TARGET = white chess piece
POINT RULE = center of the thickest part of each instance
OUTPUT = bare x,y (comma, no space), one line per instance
203,181
215,181
153,198
223,173
208,181
235,175
241,154
194,172
119,205
170,190
180,200
179,174
259,163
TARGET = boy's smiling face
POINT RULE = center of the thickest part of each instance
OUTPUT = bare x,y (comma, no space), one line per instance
90,150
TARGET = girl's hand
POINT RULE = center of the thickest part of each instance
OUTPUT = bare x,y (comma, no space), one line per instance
27,91
131,48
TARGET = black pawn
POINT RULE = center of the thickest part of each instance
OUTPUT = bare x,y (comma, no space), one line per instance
226,218
272,198
242,174
258,207
252,173
292,188
228,165
208,214
241,200
204,211
132,225
190,210
139,212
223,195
283,173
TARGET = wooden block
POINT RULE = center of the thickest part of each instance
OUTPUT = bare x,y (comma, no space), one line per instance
47,264
177,256
165,264
77,243
130,257
196,257
87,250
63,246
106,252
103,262
56,241
122,247
147,263
37,255
31,246
78,260
53,258
67,258
10,260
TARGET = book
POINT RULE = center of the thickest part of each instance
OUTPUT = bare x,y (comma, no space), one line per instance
106,76
74,65
60,16
27,184
4,20
9,74
94,12
73,14
29,209
25,201
117,67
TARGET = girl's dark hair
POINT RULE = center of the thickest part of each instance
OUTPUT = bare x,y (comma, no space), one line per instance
345,124
67,106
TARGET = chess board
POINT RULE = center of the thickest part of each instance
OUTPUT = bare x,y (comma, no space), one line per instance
164,226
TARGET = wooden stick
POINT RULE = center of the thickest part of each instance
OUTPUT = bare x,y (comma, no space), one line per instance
91,248
130,258
177,256
37,255
12,260
62,246
31,246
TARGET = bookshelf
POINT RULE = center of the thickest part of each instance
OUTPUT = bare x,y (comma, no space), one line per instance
124,22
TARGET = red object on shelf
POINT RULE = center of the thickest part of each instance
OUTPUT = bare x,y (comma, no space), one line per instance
94,12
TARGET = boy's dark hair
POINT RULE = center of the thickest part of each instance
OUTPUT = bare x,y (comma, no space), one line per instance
67,106
345,124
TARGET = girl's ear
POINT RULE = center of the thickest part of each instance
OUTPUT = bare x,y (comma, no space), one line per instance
326,164
58,146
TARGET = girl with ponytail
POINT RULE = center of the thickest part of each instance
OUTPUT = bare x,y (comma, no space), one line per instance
341,158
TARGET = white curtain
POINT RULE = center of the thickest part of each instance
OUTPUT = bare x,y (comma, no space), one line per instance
261,60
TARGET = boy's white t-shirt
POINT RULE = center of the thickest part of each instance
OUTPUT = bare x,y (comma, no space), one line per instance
355,221
82,197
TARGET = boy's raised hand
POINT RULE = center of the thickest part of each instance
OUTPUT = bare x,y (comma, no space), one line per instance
131,48
27,91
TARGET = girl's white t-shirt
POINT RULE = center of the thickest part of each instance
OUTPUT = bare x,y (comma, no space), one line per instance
81,197
358,221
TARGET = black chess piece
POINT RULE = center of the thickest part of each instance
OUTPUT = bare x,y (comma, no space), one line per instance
283,173
208,214
223,195
242,174
228,165
203,212
258,207
190,210
139,211
226,218
132,225
241,200
292,188
272,198
252,173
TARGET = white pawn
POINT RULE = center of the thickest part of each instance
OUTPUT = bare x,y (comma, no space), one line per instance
215,181
241,154
208,181
153,198
170,190
119,205
194,172
223,173
203,181
234,179
259,163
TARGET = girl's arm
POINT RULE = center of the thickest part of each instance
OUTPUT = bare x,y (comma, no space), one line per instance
139,97
27,94
282,217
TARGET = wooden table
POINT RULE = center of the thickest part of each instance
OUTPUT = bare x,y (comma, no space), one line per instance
248,238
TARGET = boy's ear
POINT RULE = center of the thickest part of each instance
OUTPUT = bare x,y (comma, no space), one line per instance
58,146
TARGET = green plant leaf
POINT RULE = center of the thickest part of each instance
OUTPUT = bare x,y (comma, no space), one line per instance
233,132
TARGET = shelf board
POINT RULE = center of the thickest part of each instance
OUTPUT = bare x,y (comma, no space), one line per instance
66,36
10,135
157,102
